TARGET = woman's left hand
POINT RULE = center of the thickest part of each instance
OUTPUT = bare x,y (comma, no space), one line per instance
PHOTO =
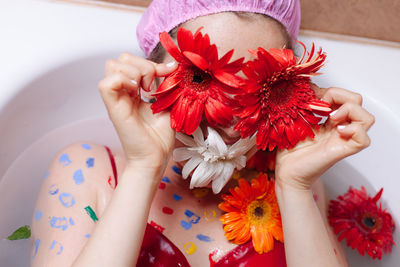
343,134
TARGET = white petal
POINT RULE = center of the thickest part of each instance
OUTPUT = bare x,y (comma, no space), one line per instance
242,146
221,181
215,142
190,165
207,177
187,140
219,167
240,162
198,137
198,174
182,153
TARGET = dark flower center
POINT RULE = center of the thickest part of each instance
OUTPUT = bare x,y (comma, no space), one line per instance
278,90
369,222
259,212
197,78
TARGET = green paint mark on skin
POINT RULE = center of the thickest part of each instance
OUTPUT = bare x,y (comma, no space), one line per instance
91,213
23,232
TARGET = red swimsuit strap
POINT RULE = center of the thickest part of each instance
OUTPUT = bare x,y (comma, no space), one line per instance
114,167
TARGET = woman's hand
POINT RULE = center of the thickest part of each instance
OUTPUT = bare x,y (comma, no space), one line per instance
344,134
147,139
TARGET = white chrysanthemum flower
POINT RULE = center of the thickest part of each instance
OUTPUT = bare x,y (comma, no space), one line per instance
211,159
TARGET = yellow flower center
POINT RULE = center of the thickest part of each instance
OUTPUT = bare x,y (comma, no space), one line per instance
259,212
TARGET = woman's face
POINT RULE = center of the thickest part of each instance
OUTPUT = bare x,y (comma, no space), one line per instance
230,31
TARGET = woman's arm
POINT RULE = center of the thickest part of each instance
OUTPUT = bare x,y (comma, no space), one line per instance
307,241
147,141
117,238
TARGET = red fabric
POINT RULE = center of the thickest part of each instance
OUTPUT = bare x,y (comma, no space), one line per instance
245,256
157,250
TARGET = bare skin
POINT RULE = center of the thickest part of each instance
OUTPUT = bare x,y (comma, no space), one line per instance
148,141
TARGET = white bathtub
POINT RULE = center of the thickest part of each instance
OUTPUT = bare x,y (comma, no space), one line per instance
48,98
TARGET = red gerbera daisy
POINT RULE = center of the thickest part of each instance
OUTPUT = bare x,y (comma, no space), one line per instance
198,84
359,219
278,101
262,161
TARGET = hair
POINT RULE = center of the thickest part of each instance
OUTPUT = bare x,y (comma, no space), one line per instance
158,53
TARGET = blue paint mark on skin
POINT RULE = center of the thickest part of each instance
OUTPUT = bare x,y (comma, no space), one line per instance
37,243
60,249
58,222
78,177
71,222
90,162
165,179
186,225
177,197
38,215
66,199
204,238
87,235
53,191
176,170
190,214
46,175
64,158
86,146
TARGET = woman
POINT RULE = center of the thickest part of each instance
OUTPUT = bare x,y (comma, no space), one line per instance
129,196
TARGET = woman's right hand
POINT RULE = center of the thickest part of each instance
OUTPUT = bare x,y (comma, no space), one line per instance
147,139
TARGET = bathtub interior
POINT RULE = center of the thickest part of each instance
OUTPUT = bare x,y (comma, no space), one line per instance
62,105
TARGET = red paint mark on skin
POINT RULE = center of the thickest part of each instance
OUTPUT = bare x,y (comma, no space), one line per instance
162,185
157,227
114,167
334,250
167,210
315,196
109,182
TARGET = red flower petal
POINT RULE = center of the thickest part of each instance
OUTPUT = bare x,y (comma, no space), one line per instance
167,100
196,60
195,114
169,82
185,39
170,46
228,78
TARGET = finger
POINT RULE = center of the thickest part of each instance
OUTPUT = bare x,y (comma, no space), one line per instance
350,112
339,96
112,86
146,67
319,92
165,68
357,134
115,66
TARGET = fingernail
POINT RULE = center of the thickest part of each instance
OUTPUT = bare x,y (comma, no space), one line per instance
333,113
171,64
341,127
134,82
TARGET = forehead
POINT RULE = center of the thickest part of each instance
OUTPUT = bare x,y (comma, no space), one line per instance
229,31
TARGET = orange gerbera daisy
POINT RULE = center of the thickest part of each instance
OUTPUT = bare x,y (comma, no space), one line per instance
252,212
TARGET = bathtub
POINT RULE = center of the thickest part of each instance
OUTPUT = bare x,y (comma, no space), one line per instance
49,98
